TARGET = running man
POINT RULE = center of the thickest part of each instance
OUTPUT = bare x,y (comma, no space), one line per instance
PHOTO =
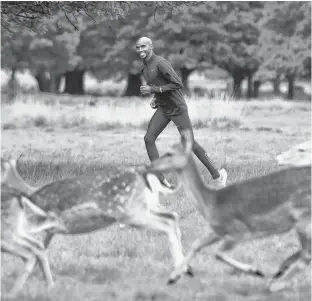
164,83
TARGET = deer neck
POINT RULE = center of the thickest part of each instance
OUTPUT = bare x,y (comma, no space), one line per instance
17,182
195,187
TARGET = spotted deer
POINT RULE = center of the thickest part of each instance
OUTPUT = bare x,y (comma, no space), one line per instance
95,201
21,222
252,209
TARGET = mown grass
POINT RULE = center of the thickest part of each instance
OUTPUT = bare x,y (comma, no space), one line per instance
130,264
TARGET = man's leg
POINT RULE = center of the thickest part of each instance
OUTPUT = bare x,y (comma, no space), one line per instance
156,125
183,122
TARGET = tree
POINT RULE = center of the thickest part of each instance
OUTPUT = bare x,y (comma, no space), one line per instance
121,56
286,41
55,42
14,56
54,20
30,14
224,34
169,31
236,50
61,51
186,32
53,53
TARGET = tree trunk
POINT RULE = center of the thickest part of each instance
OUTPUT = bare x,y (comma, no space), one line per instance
238,78
57,81
54,82
53,88
133,85
291,87
48,82
74,82
12,86
276,85
256,87
43,81
249,87
185,73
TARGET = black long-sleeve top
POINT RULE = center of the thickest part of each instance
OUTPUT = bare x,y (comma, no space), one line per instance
165,84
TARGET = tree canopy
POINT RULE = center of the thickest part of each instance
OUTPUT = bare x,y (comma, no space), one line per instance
29,14
257,41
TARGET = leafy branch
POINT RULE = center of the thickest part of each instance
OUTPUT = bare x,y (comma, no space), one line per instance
29,14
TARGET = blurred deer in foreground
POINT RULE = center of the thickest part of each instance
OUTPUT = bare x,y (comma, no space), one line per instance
252,209
91,202
21,222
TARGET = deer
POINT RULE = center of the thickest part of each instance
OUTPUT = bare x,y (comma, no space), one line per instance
11,177
252,209
96,201
298,155
21,222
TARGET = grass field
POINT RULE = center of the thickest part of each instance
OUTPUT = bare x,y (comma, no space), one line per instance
130,264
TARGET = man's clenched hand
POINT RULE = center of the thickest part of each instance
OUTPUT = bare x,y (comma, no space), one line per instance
145,90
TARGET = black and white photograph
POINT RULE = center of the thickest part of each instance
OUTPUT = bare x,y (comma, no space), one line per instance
156,150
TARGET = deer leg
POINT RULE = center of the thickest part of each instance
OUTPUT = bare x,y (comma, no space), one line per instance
246,268
164,222
19,283
44,262
46,243
38,249
173,232
167,222
286,264
27,256
228,244
189,270
48,239
295,263
15,249
161,212
203,241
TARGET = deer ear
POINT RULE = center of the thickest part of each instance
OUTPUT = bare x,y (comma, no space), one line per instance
187,140
25,202
153,182
19,157
13,162
4,164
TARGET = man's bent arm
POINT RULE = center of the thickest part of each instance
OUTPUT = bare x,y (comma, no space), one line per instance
170,75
